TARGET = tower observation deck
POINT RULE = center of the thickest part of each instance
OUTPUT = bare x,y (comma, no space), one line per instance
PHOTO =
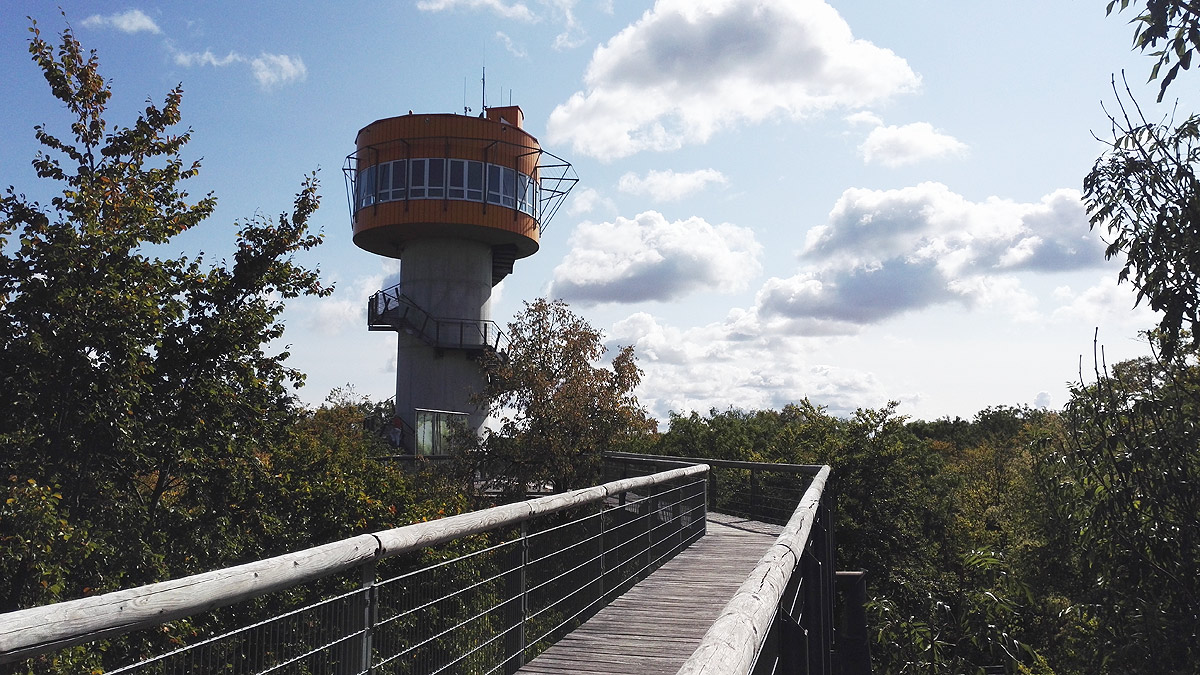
457,199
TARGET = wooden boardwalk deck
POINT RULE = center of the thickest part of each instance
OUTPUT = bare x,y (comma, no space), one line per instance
656,625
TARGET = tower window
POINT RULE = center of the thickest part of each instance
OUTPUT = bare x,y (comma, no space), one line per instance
417,183
438,178
399,179
435,429
494,187
475,181
457,183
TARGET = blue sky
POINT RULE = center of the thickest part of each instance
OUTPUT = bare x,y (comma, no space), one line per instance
854,201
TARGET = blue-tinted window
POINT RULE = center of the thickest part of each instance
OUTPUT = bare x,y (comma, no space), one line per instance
456,183
366,187
399,179
417,179
475,181
437,178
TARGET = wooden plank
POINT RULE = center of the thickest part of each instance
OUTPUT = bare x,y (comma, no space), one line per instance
656,625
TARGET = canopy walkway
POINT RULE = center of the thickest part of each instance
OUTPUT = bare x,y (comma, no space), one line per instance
671,567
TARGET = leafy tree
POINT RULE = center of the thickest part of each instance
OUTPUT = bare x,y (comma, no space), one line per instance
140,388
557,410
1144,195
1123,480
1175,24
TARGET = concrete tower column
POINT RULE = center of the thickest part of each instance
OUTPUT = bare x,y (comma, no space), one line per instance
457,199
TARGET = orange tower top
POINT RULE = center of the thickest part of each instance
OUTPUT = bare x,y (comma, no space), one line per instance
446,175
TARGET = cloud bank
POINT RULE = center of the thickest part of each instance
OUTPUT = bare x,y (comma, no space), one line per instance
887,252
689,68
669,185
649,258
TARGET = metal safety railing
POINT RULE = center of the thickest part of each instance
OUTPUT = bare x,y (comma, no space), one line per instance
761,491
480,592
390,309
781,619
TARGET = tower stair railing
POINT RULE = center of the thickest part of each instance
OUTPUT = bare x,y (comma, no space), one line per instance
390,309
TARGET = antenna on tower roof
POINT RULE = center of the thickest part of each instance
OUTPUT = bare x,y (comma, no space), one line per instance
483,81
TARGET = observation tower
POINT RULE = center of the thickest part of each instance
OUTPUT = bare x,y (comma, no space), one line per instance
457,199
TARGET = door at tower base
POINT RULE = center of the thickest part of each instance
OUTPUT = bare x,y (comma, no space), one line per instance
435,430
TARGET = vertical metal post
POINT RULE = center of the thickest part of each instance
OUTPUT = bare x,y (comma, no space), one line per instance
370,616
852,646
677,504
817,567
603,569
517,605
650,492
752,507
524,588
711,504
354,656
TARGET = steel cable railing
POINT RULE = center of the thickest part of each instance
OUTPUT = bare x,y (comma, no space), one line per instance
511,580
781,619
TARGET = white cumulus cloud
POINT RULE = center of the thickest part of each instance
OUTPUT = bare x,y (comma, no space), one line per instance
894,146
587,200
651,258
1101,304
269,70
688,68
514,10
273,70
207,58
720,366
669,185
886,252
130,21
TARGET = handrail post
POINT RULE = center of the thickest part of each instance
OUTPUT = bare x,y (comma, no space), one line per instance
603,569
650,515
752,506
524,587
516,590
371,615
356,657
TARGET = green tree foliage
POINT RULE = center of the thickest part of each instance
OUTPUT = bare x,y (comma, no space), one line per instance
557,408
139,388
1122,481
1143,195
1175,24
945,517
888,495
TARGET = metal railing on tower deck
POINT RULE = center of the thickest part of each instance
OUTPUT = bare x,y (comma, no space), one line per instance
479,592
390,309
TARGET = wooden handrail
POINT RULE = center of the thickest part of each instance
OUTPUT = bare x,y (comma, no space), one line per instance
29,632
805,469
733,642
